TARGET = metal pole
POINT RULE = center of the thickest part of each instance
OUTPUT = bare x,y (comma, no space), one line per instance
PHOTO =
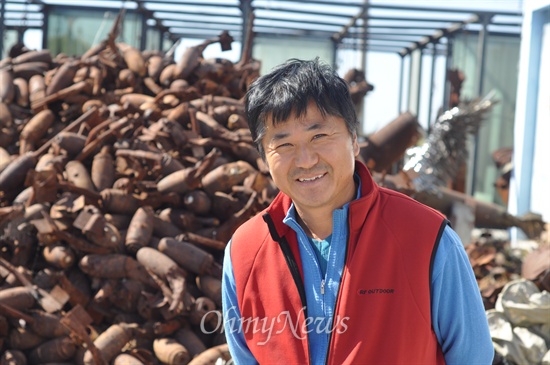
334,53
361,106
410,82
364,44
401,82
448,65
161,40
45,25
481,53
144,28
432,74
419,86
2,15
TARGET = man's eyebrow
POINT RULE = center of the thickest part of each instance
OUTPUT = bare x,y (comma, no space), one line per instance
283,135
279,136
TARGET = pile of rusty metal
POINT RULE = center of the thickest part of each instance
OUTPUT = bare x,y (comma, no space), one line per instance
122,176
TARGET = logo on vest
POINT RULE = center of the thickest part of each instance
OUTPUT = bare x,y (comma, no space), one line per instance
375,291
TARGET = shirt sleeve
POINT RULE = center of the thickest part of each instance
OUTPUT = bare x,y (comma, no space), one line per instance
232,315
458,314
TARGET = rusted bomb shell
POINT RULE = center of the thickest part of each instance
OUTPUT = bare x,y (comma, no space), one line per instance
120,221
43,55
190,341
37,88
224,177
152,85
24,196
47,160
128,293
188,61
140,229
197,201
47,324
103,169
109,343
29,69
133,58
178,182
179,85
164,228
7,89
59,256
126,78
169,164
170,352
21,88
23,339
157,262
6,118
56,350
179,114
212,355
127,359
4,326
166,268
188,256
19,297
136,100
109,237
63,77
8,134
154,67
5,158
115,266
167,74
97,75
202,312
236,121
35,129
71,142
35,211
78,175
211,287
13,357
180,218
118,202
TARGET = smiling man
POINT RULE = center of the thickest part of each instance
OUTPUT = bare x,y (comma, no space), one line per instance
337,269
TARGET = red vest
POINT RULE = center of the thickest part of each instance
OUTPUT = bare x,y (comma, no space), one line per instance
382,313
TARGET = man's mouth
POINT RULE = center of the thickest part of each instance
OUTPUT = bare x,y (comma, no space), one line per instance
308,179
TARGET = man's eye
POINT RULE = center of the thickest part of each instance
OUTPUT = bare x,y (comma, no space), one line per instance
317,136
283,145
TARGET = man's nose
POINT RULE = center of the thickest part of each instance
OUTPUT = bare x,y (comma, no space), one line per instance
306,156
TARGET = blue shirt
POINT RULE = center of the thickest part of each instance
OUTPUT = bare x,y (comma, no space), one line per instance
461,329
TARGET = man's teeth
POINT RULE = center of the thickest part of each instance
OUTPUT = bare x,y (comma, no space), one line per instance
311,178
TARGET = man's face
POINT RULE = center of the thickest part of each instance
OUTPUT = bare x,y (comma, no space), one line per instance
312,159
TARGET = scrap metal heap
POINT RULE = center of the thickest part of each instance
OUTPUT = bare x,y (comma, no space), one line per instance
123,174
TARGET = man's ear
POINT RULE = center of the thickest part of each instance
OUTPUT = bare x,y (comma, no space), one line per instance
356,147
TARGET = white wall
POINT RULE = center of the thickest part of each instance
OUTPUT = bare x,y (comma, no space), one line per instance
529,189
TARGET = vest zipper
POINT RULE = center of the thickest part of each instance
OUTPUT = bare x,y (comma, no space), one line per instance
323,286
337,296
292,266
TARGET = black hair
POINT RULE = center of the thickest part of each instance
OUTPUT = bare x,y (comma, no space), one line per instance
288,89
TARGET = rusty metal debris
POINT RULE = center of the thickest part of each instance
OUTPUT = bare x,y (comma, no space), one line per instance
122,176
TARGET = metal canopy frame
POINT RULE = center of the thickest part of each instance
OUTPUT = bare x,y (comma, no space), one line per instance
354,24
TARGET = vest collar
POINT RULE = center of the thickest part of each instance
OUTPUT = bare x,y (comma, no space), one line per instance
358,209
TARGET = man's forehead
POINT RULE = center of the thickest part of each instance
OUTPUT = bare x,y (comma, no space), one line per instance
295,117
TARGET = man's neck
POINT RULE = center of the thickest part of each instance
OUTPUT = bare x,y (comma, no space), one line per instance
315,224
